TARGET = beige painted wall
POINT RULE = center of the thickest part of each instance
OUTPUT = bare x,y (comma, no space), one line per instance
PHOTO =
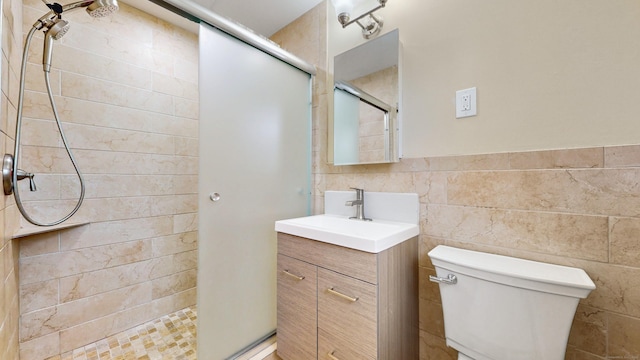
550,74
127,89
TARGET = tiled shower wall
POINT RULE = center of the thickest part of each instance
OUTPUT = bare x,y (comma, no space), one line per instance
577,207
126,87
9,298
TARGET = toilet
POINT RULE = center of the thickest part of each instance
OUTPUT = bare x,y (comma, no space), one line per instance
503,308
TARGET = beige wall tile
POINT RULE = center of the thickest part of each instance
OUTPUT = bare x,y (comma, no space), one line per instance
94,138
177,42
428,291
171,264
67,263
395,182
91,283
39,244
589,330
40,348
431,186
101,328
575,354
102,186
83,87
9,249
433,347
175,283
38,295
617,288
40,132
186,108
578,236
176,125
90,113
185,184
622,156
53,319
71,59
115,232
470,162
431,318
186,69
598,192
624,336
624,238
554,159
172,85
186,146
185,223
173,244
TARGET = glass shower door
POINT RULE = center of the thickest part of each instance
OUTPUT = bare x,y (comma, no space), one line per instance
254,169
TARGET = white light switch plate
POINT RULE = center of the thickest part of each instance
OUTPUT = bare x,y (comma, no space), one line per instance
466,104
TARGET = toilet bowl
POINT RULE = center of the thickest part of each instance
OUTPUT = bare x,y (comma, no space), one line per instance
504,308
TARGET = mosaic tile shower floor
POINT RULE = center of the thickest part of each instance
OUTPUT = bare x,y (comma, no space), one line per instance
172,337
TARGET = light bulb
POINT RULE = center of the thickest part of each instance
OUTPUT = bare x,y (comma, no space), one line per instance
343,6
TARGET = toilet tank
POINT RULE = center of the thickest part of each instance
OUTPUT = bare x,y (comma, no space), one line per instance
507,308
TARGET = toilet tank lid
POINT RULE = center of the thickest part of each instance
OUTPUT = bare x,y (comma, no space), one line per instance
512,267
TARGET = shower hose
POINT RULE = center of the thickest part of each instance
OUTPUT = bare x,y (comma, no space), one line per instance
16,152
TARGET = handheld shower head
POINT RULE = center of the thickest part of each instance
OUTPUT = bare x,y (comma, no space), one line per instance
56,30
102,8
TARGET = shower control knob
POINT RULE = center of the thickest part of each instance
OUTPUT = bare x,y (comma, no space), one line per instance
214,196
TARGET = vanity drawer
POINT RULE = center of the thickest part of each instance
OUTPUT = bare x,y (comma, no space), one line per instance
297,315
350,317
339,349
358,264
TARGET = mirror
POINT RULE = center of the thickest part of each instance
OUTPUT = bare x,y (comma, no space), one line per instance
366,97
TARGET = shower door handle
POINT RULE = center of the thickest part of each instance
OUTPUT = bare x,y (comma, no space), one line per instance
214,196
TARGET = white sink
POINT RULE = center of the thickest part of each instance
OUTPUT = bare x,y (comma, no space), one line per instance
370,236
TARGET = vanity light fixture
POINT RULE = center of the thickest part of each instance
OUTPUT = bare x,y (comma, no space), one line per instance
370,24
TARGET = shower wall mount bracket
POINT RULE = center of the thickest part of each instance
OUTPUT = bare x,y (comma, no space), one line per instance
7,174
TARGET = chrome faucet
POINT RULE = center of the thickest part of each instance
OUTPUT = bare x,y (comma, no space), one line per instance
359,204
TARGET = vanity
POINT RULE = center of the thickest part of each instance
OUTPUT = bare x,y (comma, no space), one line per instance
348,289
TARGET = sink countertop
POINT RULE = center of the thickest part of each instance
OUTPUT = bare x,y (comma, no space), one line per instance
370,236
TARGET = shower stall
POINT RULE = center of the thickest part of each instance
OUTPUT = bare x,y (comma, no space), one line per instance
136,130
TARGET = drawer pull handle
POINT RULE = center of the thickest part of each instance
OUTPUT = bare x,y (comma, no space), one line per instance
337,293
297,277
330,355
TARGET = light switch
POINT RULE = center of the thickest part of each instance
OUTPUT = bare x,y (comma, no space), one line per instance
466,103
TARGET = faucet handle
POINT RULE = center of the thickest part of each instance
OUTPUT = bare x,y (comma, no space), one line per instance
359,193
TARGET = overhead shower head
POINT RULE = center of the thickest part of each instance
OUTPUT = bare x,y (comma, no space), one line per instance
102,8
55,27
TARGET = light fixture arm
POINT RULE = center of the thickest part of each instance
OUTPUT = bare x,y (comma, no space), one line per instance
344,20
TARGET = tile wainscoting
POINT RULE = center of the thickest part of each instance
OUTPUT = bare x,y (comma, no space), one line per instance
577,207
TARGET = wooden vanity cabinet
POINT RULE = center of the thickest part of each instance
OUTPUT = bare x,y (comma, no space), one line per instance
340,303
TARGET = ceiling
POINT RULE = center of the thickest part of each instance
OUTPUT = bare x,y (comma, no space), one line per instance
265,17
